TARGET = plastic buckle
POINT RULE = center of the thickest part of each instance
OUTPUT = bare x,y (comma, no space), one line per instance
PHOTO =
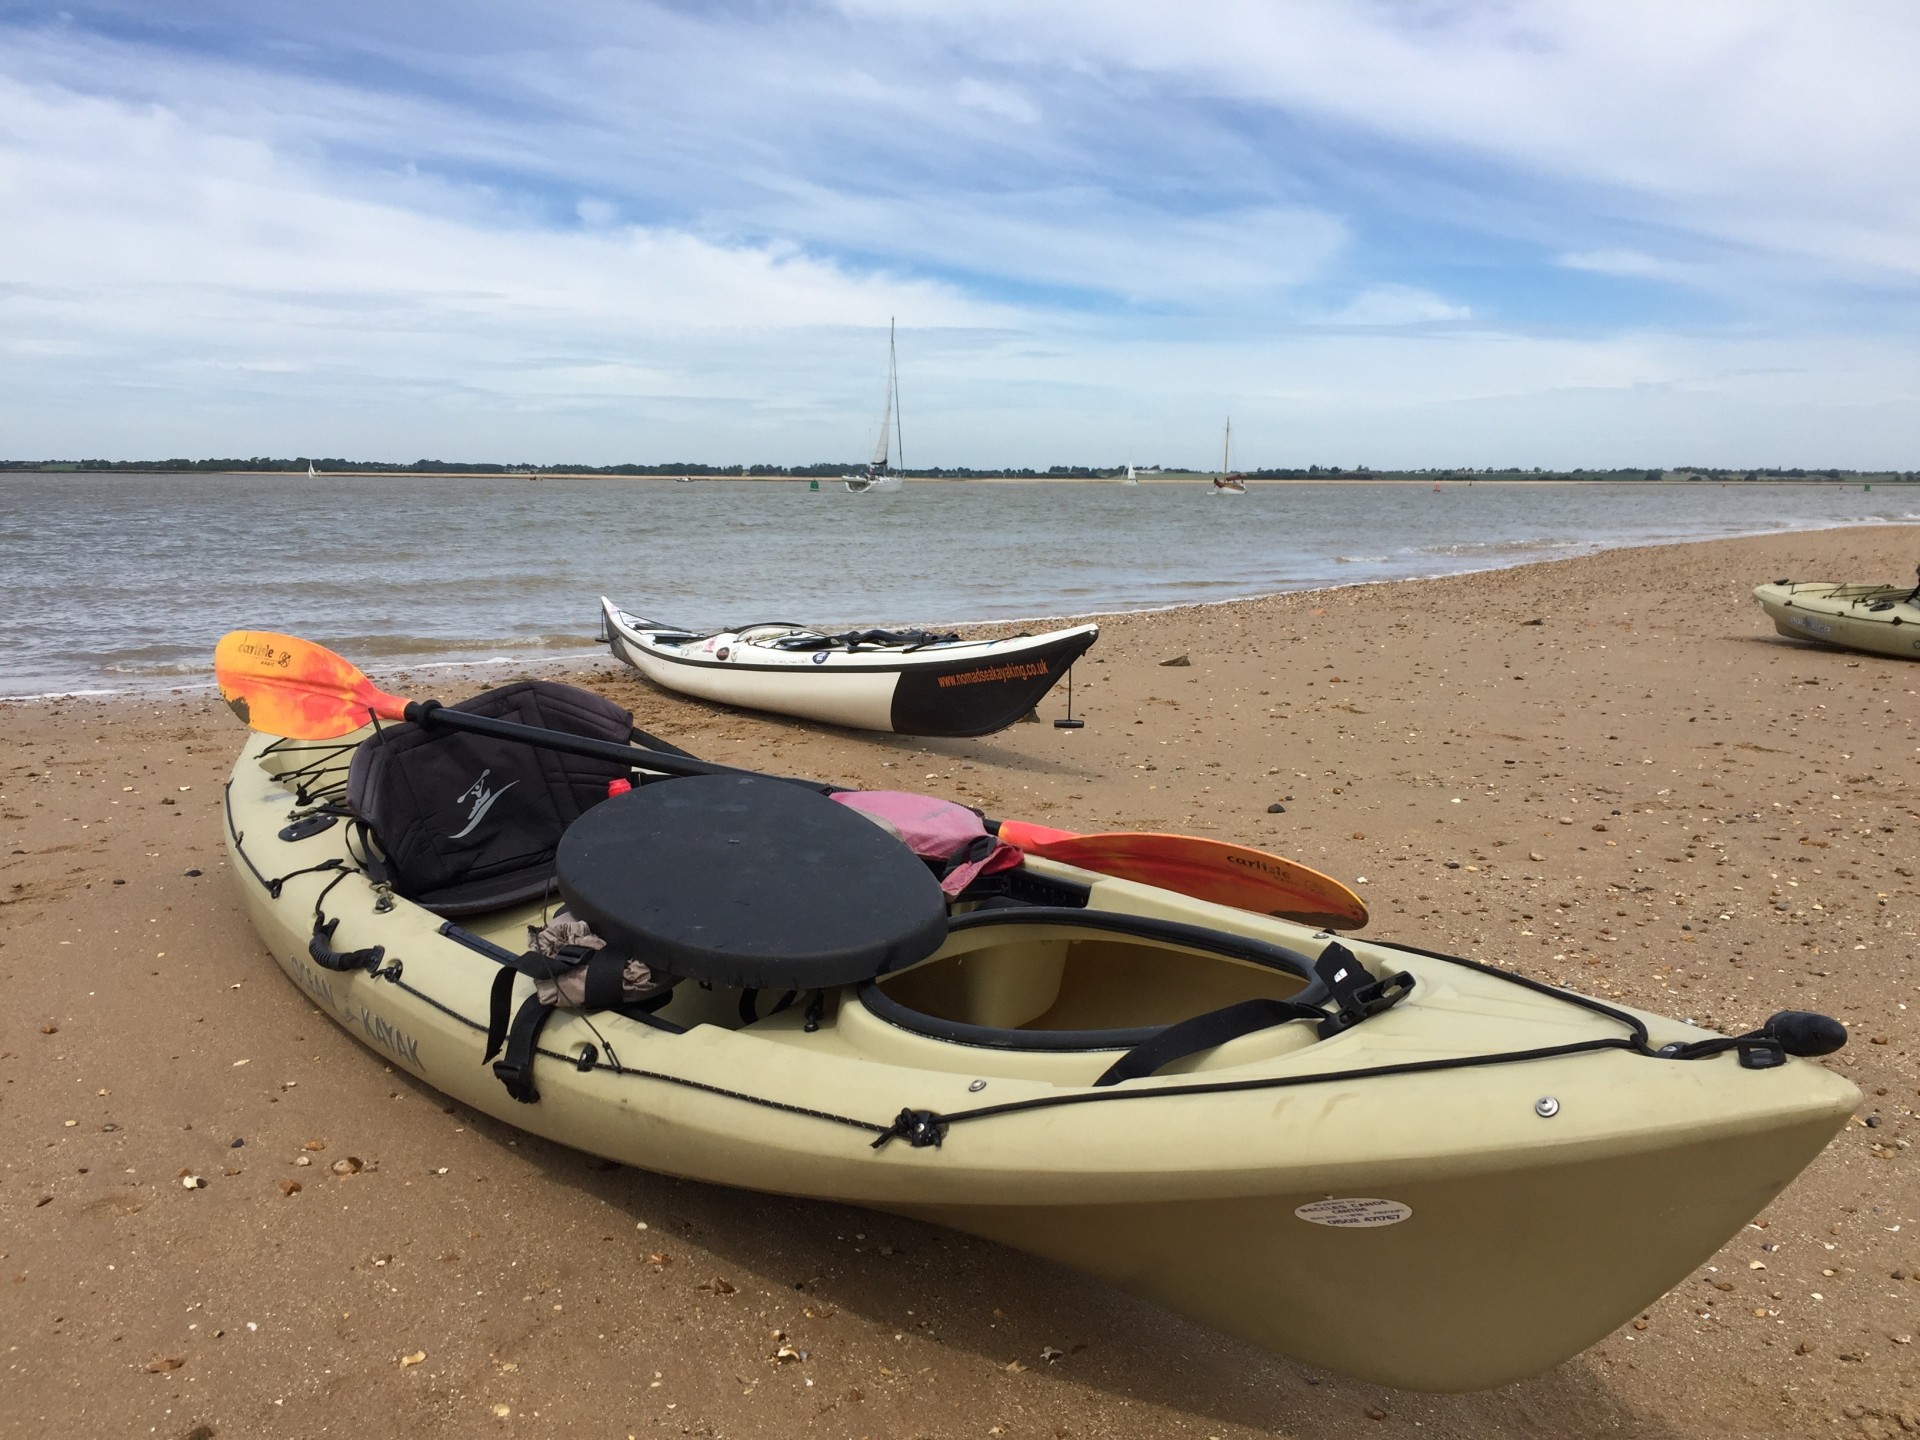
1367,1000
1761,1054
517,1078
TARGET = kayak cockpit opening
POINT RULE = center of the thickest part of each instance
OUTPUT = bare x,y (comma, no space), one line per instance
1041,979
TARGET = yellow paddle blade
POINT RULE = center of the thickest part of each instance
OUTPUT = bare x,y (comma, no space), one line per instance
1214,870
283,685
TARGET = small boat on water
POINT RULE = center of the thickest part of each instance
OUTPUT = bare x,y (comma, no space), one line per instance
1416,1169
1229,481
910,682
1879,619
879,476
1130,478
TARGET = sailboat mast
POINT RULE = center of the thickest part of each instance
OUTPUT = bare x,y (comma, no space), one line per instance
893,390
1226,449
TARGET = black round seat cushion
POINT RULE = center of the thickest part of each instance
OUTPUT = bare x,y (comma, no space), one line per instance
749,881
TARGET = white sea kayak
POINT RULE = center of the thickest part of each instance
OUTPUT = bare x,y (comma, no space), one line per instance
907,682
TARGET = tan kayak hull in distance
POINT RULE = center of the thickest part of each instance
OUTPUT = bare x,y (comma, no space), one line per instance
1878,619
1502,1233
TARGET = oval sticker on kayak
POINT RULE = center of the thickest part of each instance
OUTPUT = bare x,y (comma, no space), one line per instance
1354,1214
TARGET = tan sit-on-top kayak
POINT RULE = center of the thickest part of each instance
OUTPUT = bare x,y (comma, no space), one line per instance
1880,619
1426,1172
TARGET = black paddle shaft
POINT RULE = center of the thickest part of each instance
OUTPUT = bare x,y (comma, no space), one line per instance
432,713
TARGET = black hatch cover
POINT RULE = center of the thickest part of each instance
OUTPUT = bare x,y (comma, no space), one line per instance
744,880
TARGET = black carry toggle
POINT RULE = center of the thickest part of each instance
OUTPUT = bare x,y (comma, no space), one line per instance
1791,1032
919,1128
1356,994
515,1068
324,955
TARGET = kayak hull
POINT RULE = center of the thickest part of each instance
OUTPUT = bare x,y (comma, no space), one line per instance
1434,1229
1877,619
957,688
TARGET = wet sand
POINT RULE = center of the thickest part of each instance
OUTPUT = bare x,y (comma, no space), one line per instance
1607,771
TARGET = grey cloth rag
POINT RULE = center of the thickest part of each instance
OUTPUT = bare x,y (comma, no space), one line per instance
569,987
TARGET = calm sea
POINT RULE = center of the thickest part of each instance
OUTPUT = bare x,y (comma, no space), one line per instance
123,582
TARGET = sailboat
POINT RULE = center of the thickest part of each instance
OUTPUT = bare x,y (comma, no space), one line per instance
1130,478
1229,481
879,476
310,474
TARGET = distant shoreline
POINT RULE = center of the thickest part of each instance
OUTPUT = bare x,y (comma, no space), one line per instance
1176,477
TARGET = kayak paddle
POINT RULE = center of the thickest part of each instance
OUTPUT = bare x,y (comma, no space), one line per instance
283,685
1215,870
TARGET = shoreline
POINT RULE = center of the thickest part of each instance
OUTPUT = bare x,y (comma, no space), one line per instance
1177,477
578,659
1606,772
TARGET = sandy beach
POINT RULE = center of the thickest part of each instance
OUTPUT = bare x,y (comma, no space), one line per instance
1607,771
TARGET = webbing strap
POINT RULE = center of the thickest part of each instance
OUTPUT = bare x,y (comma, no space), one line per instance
1203,1032
605,980
515,1068
1354,992
499,1010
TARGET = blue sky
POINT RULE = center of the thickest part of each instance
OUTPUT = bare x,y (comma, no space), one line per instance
1398,234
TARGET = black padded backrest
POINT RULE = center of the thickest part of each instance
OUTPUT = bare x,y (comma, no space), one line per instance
468,823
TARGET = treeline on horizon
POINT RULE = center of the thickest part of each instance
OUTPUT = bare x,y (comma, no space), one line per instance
834,469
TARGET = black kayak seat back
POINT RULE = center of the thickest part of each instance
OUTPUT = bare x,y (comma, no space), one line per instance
467,823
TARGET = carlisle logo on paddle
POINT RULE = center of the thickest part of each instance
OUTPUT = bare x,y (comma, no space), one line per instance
482,799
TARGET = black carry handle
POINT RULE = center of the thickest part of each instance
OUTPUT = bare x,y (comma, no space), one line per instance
320,949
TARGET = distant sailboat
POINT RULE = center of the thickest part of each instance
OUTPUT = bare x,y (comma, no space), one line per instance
879,476
1229,481
310,474
1130,478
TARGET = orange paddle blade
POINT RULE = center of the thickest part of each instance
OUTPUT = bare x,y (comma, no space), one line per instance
283,685
1029,836
1214,870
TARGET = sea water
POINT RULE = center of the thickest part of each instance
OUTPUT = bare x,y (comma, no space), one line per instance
123,582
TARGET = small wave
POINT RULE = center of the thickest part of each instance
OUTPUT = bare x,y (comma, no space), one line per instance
1361,559
1500,547
389,646
63,695
132,665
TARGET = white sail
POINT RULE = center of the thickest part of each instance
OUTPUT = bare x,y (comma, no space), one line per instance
878,476
883,445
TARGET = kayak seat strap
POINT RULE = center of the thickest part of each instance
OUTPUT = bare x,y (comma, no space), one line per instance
1204,1032
1354,993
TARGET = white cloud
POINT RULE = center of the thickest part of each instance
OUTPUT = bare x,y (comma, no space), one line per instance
1398,305
185,275
1633,263
998,100
613,232
1769,123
